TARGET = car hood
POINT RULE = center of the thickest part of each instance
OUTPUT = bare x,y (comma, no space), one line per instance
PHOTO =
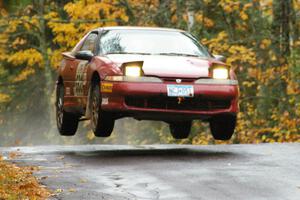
167,66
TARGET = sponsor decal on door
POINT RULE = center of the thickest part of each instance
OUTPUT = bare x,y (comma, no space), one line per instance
80,79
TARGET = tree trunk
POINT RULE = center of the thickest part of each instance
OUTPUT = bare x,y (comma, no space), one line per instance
294,26
285,27
281,27
190,15
49,85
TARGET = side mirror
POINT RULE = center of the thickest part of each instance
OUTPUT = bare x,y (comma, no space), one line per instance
84,55
220,58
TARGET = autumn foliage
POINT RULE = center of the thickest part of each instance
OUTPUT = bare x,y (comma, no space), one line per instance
260,39
19,183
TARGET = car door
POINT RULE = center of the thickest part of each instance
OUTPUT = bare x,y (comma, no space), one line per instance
74,71
80,75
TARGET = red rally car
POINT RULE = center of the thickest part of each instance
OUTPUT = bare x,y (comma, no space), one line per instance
145,73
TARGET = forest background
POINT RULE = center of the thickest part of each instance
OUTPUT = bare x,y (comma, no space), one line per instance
260,39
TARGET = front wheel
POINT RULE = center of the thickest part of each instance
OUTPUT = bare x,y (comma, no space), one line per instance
102,122
180,130
67,123
222,127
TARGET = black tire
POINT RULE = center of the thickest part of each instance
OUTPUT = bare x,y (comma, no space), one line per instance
222,127
67,123
180,130
102,122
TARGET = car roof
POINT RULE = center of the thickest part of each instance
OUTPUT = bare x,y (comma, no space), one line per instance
138,28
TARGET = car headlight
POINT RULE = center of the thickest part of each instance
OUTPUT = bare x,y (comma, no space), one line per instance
134,71
220,73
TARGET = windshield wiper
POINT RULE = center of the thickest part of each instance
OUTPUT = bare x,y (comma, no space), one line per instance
122,52
165,54
177,54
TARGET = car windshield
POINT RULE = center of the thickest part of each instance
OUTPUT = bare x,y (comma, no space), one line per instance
150,42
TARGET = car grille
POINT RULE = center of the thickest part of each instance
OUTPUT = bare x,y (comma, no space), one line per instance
196,104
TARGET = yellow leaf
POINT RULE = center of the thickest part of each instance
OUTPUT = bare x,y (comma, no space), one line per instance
72,190
59,190
24,74
247,5
4,98
244,16
90,135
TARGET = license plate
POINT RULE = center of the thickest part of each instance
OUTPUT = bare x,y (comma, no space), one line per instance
180,90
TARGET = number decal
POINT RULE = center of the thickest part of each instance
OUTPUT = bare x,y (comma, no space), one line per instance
81,75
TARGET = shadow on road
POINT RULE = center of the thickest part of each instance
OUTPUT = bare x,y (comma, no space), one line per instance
170,153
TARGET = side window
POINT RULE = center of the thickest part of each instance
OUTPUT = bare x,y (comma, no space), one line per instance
89,43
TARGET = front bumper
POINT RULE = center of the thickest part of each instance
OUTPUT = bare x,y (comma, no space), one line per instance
149,100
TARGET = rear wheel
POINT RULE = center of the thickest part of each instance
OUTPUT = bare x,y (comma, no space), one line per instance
180,130
102,122
222,127
67,123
